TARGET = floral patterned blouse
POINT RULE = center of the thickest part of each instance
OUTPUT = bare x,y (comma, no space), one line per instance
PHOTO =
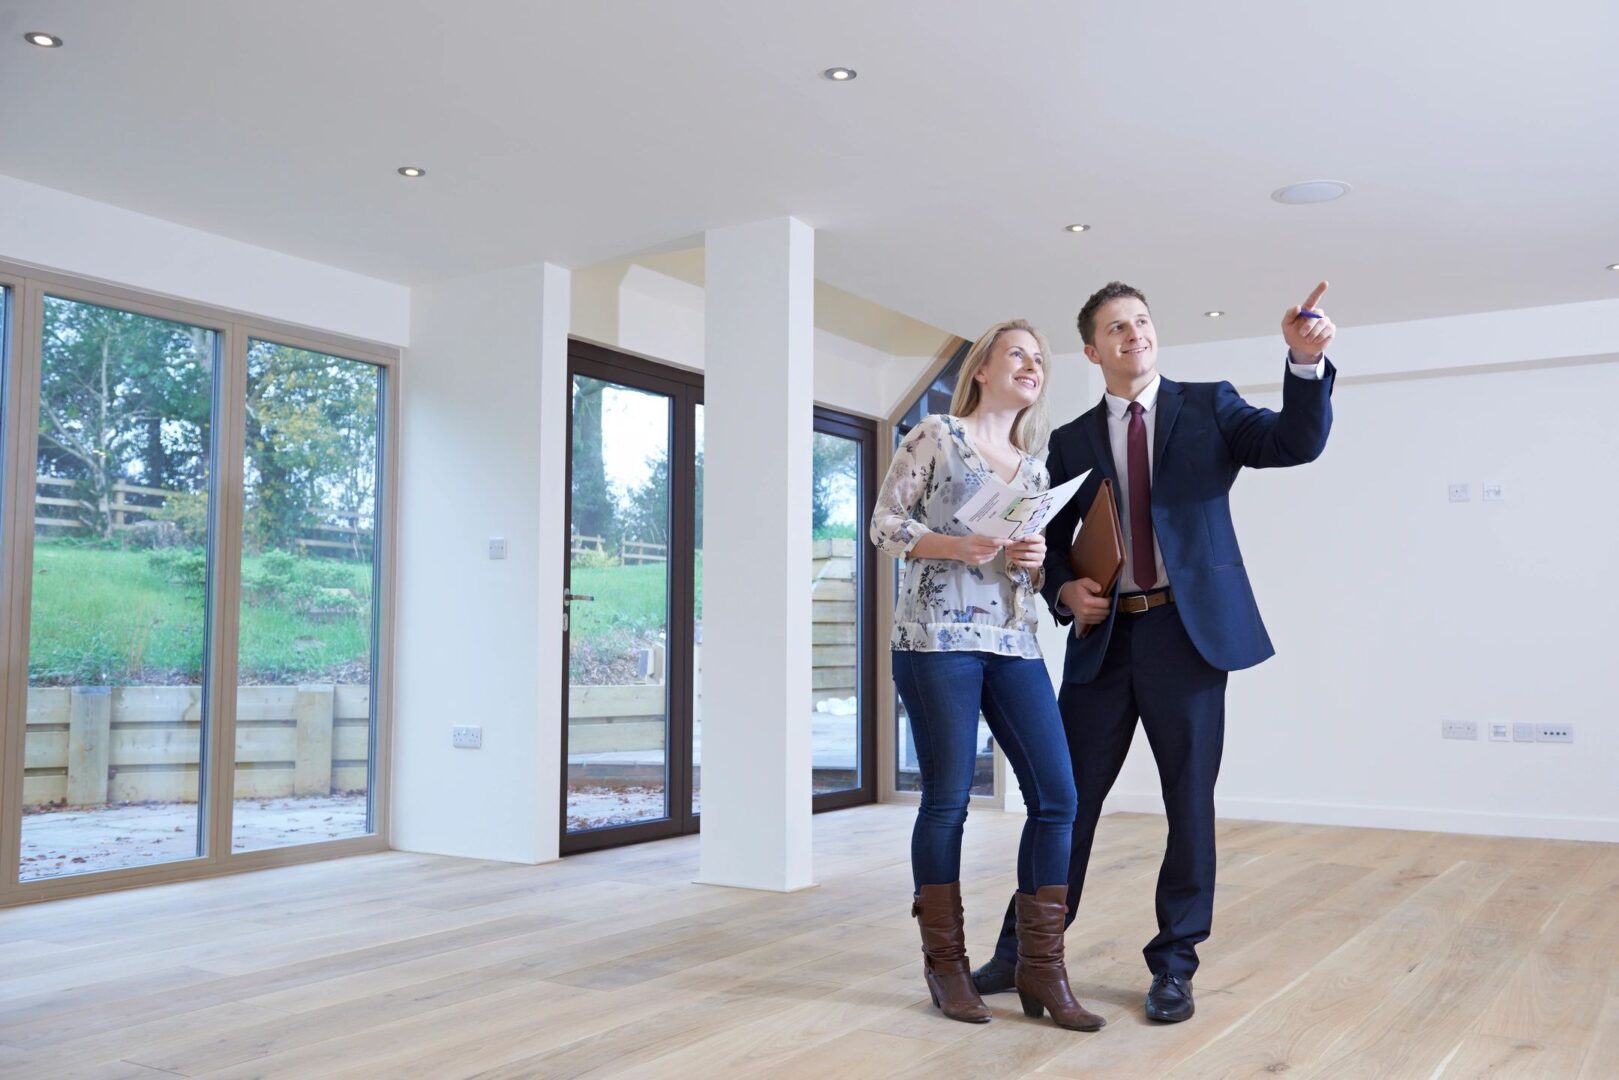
945,605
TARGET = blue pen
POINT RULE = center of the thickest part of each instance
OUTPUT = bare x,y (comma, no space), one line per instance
1306,313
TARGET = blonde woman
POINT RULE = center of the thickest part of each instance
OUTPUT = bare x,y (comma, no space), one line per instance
964,642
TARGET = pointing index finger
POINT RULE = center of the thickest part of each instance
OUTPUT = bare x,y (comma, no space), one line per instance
1315,296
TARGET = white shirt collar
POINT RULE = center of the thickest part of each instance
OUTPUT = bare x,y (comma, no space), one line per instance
1117,406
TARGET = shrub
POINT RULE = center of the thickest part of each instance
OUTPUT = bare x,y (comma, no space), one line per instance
306,586
591,559
182,566
188,512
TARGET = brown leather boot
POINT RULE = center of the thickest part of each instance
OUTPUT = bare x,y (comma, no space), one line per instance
1041,978
944,953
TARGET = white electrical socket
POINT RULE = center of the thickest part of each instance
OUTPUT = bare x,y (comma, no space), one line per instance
497,547
466,737
1460,492
1554,732
1459,729
1500,731
1523,731
1493,492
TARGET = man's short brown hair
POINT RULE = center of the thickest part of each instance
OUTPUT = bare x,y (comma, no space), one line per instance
1113,290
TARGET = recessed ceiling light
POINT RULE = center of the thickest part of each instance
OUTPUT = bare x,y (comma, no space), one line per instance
1613,266
1077,228
412,171
839,74
1213,314
44,41
1311,191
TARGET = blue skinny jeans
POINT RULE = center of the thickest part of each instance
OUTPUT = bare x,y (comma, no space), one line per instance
944,692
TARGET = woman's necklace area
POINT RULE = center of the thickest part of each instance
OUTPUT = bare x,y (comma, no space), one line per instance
1005,451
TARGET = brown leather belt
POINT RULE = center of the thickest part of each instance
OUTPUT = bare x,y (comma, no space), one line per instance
1136,603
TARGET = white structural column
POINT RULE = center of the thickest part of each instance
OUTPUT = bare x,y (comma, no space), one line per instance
758,390
482,456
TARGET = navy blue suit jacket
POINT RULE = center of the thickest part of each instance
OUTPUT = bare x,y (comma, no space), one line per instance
1204,434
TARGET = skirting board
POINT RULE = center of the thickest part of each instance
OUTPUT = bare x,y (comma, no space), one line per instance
755,888
1420,819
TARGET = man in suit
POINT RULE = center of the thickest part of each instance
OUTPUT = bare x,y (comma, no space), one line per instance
1182,614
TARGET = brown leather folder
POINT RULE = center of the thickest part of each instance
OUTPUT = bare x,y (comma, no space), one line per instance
1098,551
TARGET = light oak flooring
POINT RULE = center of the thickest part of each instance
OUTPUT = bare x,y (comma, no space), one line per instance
1336,952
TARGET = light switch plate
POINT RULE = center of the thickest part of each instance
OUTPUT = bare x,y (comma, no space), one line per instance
497,547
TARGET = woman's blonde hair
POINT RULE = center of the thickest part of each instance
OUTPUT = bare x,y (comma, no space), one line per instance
1030,427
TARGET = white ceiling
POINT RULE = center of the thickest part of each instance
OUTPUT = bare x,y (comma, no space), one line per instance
1482,140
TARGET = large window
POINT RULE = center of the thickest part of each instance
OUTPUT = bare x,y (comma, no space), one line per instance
118,626
195,580
631,749
304,714
633,731
843,741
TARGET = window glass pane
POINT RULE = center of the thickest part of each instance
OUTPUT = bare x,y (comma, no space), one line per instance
835,610
305,722
618,692
936,398
119,617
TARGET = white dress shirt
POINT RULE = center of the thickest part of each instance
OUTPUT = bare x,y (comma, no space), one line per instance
1118,435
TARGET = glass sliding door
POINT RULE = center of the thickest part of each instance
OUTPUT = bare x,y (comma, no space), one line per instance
843,744
305,720
629,765
119,624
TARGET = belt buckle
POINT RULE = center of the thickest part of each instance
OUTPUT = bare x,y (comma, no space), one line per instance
1130,604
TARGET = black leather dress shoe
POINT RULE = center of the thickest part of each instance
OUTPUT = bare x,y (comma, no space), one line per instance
1169,1000
995,977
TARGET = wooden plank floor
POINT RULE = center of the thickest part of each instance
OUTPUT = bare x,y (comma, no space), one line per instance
1336,952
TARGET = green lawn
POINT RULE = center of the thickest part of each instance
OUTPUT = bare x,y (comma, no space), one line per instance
631,603
106,617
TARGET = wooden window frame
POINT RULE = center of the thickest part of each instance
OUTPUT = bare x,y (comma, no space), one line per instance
28,286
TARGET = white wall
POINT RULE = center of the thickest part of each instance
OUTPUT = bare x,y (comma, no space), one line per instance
57,231
1393,609
479,640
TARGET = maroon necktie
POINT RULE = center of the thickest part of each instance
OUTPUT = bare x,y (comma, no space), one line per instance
1142,561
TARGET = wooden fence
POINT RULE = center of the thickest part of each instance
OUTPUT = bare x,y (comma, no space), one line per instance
125,515
630,552
91,745
627,718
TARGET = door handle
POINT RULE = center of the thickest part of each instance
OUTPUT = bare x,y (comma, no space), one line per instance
567,599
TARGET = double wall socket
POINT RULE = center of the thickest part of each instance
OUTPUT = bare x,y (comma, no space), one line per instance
466,737
1459,729
1554,732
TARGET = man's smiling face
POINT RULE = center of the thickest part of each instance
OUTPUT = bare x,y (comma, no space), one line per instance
1126,345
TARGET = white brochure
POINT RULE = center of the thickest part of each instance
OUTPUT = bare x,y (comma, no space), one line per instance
1009,513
